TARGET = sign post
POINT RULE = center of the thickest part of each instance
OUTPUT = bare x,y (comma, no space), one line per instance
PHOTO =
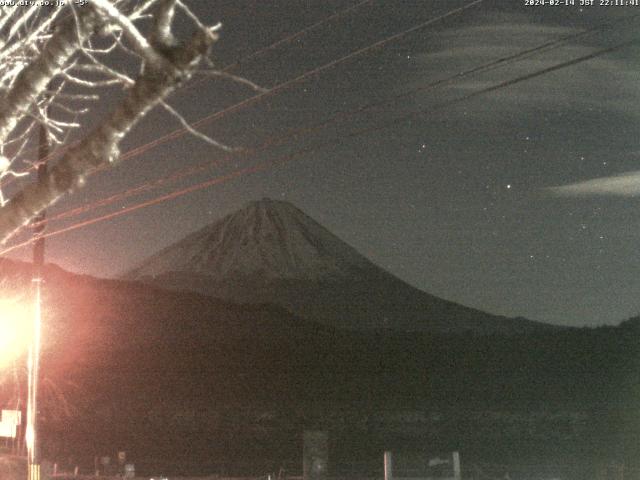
9,423
315,455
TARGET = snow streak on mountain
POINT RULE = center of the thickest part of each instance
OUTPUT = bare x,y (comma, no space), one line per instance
270,239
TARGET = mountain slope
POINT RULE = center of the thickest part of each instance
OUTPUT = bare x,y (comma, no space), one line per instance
271,252
267,239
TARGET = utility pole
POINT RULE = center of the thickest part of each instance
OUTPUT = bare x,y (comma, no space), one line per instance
33,363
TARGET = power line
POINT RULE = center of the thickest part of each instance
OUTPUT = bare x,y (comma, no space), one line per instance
298,34
310,73
298,153
493,88
500,62
177,133
170,196
296,132
282,86
521,55
482,68
232,66
293,133
142,188
285,85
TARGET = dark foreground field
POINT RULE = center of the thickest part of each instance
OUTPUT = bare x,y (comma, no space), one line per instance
12,467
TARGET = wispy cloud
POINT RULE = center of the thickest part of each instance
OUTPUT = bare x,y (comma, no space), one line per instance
626,185
589,85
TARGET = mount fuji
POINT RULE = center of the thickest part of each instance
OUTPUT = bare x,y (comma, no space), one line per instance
271,252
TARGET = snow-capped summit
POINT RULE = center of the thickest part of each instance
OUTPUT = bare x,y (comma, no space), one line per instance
271,252
269,239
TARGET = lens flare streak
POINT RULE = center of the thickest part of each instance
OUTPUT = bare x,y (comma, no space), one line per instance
33,366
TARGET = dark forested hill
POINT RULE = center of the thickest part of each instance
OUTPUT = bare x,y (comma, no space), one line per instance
141,367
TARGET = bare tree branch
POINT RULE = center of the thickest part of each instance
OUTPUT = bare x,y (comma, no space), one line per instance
193,131
139,43
34,78
100,147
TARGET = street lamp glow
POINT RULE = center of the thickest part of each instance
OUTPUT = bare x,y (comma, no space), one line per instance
15,329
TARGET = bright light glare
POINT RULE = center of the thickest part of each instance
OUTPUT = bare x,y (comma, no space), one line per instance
15,325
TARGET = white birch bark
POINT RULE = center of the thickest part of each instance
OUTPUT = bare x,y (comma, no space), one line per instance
34,78
165,66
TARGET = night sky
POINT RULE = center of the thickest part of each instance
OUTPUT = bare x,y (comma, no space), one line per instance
521,202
